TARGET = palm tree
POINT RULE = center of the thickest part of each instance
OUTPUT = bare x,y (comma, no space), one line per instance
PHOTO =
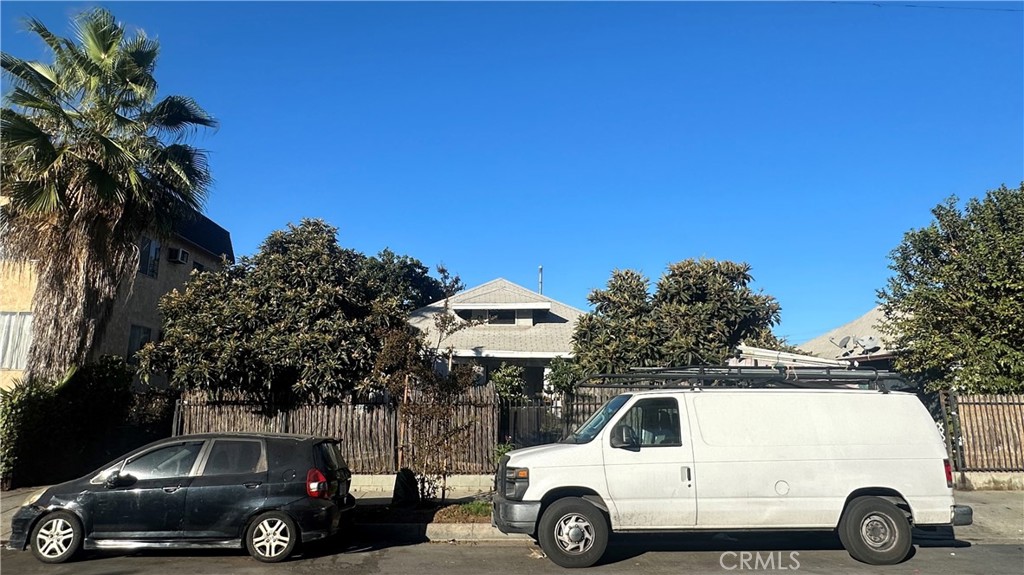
90,160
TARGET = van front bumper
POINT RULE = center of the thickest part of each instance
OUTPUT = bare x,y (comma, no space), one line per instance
962,515
515,516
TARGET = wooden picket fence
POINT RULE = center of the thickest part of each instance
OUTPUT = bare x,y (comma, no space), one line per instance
369,432
984,432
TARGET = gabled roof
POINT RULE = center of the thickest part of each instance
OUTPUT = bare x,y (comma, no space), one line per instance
827,344
207,234
544,339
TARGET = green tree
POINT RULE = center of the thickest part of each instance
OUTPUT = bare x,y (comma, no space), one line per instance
698,313
954,307
90,160
422,377
292,323
404,278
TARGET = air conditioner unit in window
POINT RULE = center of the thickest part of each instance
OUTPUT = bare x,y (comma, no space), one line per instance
177,255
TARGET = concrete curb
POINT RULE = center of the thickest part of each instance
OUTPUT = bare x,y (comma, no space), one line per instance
435,532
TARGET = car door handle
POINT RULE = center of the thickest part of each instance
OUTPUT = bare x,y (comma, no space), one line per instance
252,484
684,473
171,489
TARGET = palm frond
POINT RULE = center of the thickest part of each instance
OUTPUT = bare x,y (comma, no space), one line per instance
59,46
24,75
28,100
33,197
142,51
20,132
100,36
178,115
183,171
107,187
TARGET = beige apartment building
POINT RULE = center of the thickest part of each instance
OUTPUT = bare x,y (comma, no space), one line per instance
197,245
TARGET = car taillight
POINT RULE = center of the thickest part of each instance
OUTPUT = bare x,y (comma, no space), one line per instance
316,484
949,473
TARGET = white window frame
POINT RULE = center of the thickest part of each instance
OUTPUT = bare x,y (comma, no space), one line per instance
15,339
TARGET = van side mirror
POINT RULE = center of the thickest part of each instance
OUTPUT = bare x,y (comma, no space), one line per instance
623,437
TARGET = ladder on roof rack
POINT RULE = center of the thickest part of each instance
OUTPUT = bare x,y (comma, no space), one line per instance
695,377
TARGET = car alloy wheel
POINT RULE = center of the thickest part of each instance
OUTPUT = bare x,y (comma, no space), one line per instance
271,537
56,538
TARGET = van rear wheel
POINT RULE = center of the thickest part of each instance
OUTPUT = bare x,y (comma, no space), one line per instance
875,531
573,533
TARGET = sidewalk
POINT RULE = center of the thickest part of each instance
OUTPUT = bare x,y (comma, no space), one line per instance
998,518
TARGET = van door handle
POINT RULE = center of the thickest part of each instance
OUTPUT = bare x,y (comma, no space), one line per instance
252,484
684,473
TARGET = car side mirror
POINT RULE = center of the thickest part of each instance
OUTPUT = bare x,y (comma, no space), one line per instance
624,438
115,480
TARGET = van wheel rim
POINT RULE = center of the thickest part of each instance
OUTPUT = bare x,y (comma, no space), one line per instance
271,537
879,532
55,538
574,534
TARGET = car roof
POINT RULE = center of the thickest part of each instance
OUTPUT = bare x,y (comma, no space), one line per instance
251,435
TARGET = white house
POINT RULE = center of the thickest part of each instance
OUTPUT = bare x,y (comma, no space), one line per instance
516,326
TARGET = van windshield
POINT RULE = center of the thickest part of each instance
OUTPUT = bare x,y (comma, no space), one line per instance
589,430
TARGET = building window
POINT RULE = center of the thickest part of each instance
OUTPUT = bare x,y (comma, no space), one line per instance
198,267
138,337
15,339
502,317
495,316
149,256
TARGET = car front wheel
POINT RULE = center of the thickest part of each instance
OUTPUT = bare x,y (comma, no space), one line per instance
271,537
56,538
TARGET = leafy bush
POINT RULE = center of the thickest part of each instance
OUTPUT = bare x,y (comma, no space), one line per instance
564,375
501,449
22,415
56,430
508,381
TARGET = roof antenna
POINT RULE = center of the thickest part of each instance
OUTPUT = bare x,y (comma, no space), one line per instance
540,280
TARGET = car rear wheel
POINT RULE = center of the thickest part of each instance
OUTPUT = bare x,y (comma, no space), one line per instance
875,531
56,538
271,537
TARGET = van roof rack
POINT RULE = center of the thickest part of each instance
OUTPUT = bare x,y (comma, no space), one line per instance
748,378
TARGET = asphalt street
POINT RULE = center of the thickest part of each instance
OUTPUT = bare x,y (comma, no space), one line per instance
795,552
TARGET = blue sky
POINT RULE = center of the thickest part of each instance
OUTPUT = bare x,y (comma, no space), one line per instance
803,138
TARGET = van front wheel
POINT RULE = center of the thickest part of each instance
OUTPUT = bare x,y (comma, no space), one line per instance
573,533
875,531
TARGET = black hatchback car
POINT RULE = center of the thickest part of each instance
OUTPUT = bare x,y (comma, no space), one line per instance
265,492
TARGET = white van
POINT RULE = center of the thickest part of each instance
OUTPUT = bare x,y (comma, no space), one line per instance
863,463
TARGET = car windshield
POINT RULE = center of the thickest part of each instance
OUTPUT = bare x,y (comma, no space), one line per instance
589,430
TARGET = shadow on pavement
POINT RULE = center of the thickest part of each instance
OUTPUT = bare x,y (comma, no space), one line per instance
324,548
627,546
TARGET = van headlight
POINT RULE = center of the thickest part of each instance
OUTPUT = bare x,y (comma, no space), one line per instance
517,479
